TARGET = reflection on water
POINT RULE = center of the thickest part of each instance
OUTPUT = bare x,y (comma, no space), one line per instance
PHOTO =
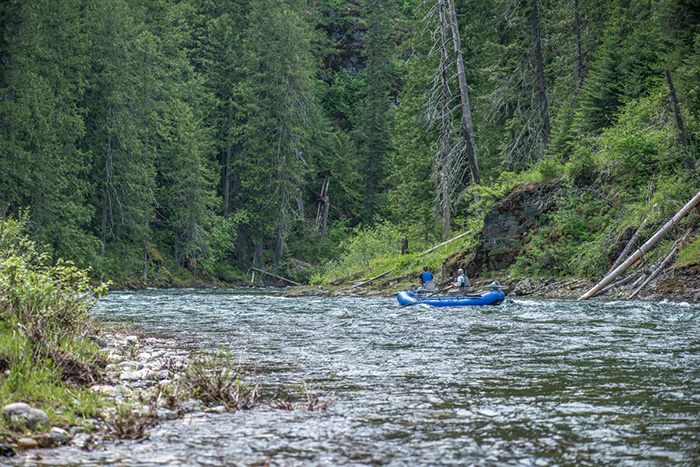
530,382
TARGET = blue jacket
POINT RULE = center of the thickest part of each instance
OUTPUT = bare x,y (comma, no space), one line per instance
425,277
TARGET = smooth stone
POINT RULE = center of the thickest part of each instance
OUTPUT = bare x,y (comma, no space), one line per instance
36,417
133,375
77,429
131,340
6,451
217,409
146,383
57,430
27,443
16,409
191,405
167,414
130,365
32,417
164,374
105,389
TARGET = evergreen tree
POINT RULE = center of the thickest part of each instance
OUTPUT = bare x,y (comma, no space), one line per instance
374,118
43,84
123,170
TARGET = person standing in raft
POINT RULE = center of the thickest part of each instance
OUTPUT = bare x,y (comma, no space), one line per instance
461,285
426,281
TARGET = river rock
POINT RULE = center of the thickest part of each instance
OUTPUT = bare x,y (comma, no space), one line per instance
83,441
105,389
21,411
167,414
130,365
164,374
191,405
216,409
145,383
134,375
131,340
6,451
77,429
16,409
27,443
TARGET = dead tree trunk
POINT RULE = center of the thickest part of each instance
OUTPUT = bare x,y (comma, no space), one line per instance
689,162
446,127
539,70
467,128
627,249
227,165
644,248
656,271
579,55
323,207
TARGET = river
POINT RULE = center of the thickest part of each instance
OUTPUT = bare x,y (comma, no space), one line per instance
527,383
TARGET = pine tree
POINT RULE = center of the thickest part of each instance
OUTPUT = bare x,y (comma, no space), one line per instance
43,84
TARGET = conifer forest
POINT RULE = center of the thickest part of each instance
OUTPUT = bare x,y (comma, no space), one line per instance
144,138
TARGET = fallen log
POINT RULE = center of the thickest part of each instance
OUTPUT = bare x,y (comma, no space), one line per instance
275,276
365,282
671,254
644,248
622,281
445,243
627,248
348,277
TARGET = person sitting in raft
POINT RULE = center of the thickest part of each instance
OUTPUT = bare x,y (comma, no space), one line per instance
461,285
426,281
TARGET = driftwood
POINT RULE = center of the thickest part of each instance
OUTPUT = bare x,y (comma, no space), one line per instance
619,283
627,249
644,248
275,276
660,268
445,243
365,282
351,276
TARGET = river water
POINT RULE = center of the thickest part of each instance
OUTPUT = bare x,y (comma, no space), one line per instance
526,383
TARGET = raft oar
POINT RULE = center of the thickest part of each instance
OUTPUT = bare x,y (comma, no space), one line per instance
425,298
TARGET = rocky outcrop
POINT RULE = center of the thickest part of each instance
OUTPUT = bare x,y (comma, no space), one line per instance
505,231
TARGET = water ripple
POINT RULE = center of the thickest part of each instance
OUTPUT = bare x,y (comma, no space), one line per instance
531,382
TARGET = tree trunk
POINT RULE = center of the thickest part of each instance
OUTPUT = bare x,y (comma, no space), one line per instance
446,127
627,248
326,206
539,69
258,249
644,248
579,55
145,259
105,201
656,271
689,163
227,166
467,128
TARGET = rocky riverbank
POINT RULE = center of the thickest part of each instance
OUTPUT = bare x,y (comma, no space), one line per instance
138,387
676,284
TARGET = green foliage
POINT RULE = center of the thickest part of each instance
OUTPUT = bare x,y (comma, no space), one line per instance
215,380
132,129
689,254
44,321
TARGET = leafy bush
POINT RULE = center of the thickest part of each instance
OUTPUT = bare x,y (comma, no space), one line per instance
44,328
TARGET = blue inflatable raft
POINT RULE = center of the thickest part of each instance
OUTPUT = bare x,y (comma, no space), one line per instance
489,297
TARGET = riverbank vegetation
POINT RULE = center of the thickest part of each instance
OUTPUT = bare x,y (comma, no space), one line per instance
46,356
182,143
54,357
